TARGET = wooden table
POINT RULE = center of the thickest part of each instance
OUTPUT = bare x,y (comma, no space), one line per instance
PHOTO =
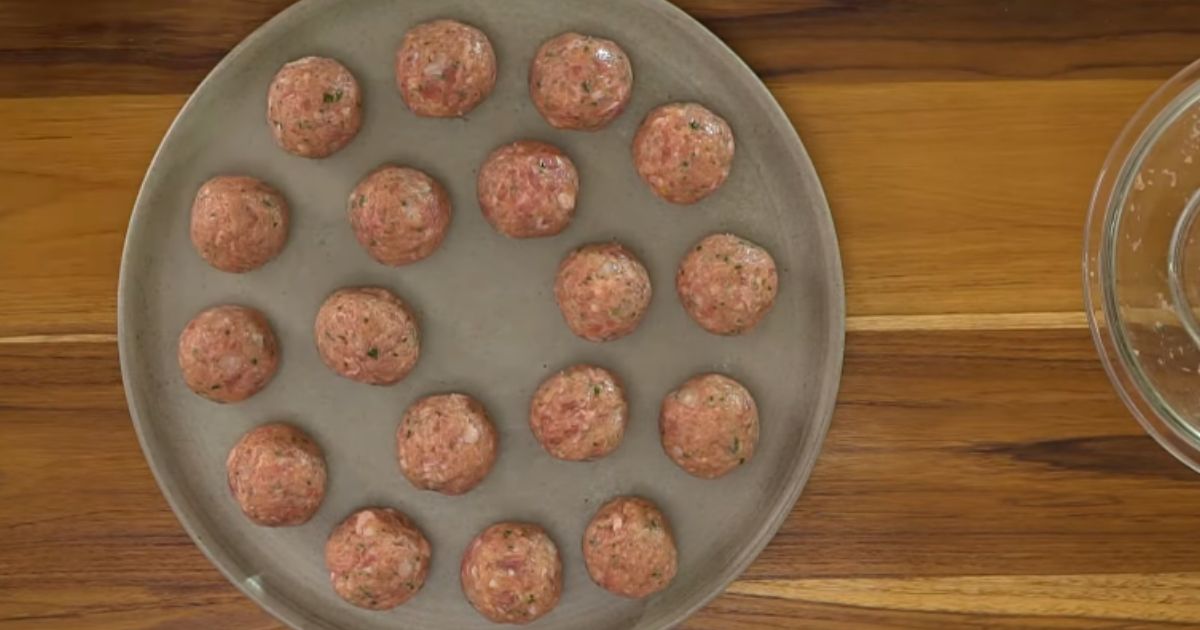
979,473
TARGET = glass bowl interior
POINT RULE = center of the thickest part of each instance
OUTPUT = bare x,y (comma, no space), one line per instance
1141,265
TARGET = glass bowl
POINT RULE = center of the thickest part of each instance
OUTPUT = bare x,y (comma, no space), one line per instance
1141,265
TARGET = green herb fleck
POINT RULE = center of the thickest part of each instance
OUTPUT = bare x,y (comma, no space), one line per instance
373,353
653,523
507,533
694,125
587,87
741,461
532,598
656,574
596,390
216,387
333,97
737,446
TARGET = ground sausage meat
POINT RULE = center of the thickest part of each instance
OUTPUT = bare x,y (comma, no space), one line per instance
377,558
314,107
684,152
580,82
512,573
445,68
603,291
727,284
238,223
277,475
709,426
400,215
629,549
528,189
446,443
228,353
368,335
580,413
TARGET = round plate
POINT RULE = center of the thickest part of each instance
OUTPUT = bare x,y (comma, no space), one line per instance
490,325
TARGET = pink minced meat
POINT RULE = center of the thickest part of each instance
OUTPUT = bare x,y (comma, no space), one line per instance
684,152
446,443
276,473
727,284
579,413
629,549
228,353
528,189
399,214
709,426
238,223
377,558
445,68
603,291
580,82
314,107
368,335
512,573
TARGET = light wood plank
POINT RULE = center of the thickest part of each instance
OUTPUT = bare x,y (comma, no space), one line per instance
986,217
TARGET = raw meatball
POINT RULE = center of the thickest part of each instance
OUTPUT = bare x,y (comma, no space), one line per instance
579,413
684,151
368,335
709,426
603,291
628,548
511,573
277,475
400,215
377,558
580,82
446,443
727,284
238,223
314,107
445,68
528,189
228,353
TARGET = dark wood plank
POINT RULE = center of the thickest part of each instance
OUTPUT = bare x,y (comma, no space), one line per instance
952,455
71,47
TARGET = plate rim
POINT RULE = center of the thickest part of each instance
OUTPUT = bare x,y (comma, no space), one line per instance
827,391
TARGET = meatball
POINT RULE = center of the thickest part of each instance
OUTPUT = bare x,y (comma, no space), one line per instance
628,548
603,291
368,335
277,475
727,284
228,353
314,107
445,68
709,426
528,189
580,82
579,413
683,151
400,215
446,443
377,558
512,573
238,223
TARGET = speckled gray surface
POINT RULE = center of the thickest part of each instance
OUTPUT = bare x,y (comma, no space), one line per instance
487,311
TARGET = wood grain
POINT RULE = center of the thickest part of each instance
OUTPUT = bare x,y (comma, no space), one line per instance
954,487
71,47
980,473
985,218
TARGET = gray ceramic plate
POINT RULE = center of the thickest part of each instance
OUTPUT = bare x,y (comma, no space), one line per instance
487,310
